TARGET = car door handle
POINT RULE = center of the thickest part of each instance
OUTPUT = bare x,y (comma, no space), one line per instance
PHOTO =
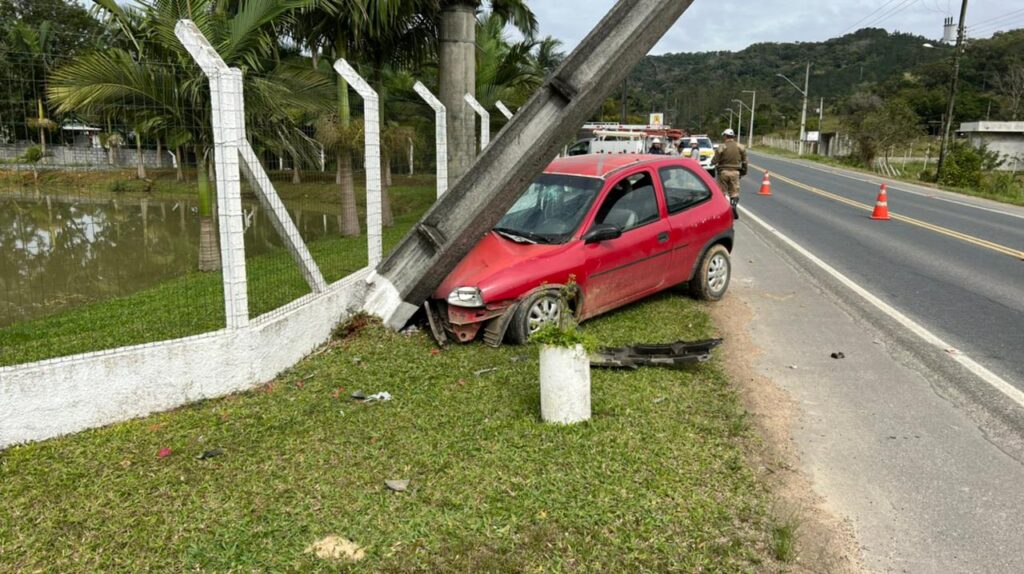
663,237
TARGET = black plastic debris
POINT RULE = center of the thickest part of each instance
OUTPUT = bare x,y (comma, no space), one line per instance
210,453
838,355
672,355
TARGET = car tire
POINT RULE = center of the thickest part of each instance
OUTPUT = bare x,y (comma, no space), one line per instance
540,307
713,274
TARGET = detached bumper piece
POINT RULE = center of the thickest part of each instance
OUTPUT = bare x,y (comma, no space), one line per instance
672,355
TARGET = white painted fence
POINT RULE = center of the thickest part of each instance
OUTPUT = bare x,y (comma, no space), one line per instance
58,396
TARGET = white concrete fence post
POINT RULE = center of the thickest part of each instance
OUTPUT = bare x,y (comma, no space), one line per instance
503,109
485,120
440,135
371,128
233,153
227,103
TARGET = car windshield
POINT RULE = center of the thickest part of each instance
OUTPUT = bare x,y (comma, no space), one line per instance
550,210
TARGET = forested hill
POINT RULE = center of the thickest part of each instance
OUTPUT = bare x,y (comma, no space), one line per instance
694,88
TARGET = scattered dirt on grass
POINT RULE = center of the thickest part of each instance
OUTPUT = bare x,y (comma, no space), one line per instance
337,548
353,326
824,542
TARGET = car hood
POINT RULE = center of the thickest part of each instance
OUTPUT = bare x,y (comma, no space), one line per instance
502,268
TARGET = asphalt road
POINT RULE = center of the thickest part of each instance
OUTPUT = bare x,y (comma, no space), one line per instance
953,264
921,455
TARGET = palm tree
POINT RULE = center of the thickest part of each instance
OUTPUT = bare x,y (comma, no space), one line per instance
458,73
32,48
154,80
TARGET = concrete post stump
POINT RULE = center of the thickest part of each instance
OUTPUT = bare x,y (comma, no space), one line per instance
564,384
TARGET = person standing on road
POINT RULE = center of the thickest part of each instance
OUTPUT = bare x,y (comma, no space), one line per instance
656,147
730,164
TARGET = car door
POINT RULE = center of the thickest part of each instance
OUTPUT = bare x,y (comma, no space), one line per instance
628,267
687,201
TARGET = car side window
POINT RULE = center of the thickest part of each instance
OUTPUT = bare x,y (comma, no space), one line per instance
683,188
632,202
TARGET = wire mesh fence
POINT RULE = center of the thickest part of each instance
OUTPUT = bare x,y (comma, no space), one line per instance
109,228
104,217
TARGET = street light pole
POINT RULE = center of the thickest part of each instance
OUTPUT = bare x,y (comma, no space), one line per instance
731,113
952,91
739,133
753,106
739,123
803,114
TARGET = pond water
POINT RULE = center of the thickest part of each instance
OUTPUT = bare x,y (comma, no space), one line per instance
59,252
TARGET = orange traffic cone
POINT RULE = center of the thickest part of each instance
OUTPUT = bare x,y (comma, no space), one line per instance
766,185
881,205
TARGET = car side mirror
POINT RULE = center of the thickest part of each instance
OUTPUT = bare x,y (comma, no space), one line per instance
601,232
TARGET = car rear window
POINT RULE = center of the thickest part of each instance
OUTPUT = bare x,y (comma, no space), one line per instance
683,188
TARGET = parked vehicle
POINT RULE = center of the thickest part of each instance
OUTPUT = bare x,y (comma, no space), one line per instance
705,150
622,226
615,142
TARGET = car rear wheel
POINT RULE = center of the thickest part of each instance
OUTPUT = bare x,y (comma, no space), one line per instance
537,310
713,274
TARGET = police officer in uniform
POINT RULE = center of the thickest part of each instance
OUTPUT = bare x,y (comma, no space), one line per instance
730,163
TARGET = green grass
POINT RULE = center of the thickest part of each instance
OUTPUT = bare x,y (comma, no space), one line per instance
194,303
783,539
910,174
656,482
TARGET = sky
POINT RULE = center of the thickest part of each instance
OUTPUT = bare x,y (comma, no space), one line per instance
710,25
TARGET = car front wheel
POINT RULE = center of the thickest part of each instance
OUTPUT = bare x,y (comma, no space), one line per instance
713,274
537,310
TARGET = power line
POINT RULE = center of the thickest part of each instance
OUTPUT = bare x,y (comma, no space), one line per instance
868,16
897,9
1000,17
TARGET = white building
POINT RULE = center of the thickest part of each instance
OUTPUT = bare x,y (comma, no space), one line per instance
1004,138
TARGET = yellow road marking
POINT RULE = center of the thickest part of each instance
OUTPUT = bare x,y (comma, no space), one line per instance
923,224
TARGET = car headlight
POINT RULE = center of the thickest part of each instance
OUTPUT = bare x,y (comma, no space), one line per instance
466,297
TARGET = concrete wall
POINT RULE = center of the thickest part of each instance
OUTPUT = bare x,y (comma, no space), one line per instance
1008,145
60,396
86,156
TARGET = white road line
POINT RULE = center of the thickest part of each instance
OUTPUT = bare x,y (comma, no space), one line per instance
1012,392
895,184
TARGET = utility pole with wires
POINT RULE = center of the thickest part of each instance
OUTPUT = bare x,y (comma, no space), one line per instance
952,91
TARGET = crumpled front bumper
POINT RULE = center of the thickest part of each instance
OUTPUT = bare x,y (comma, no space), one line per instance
463,324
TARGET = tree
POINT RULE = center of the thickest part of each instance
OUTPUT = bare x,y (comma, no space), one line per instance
31,48
457,68
154,81
1010,86
891,125
71,25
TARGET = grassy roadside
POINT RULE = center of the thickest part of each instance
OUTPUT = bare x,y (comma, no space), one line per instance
193,304
656,482
908,176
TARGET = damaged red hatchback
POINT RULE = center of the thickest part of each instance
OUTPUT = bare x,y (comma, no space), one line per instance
625,226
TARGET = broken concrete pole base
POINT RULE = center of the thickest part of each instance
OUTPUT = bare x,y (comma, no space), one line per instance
383,301
564,384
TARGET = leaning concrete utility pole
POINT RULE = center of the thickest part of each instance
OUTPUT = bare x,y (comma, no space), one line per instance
520,152
458,76
952,91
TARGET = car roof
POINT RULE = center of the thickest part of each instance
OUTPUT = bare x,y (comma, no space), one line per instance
602,165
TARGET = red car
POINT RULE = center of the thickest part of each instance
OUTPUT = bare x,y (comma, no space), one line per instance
625,226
